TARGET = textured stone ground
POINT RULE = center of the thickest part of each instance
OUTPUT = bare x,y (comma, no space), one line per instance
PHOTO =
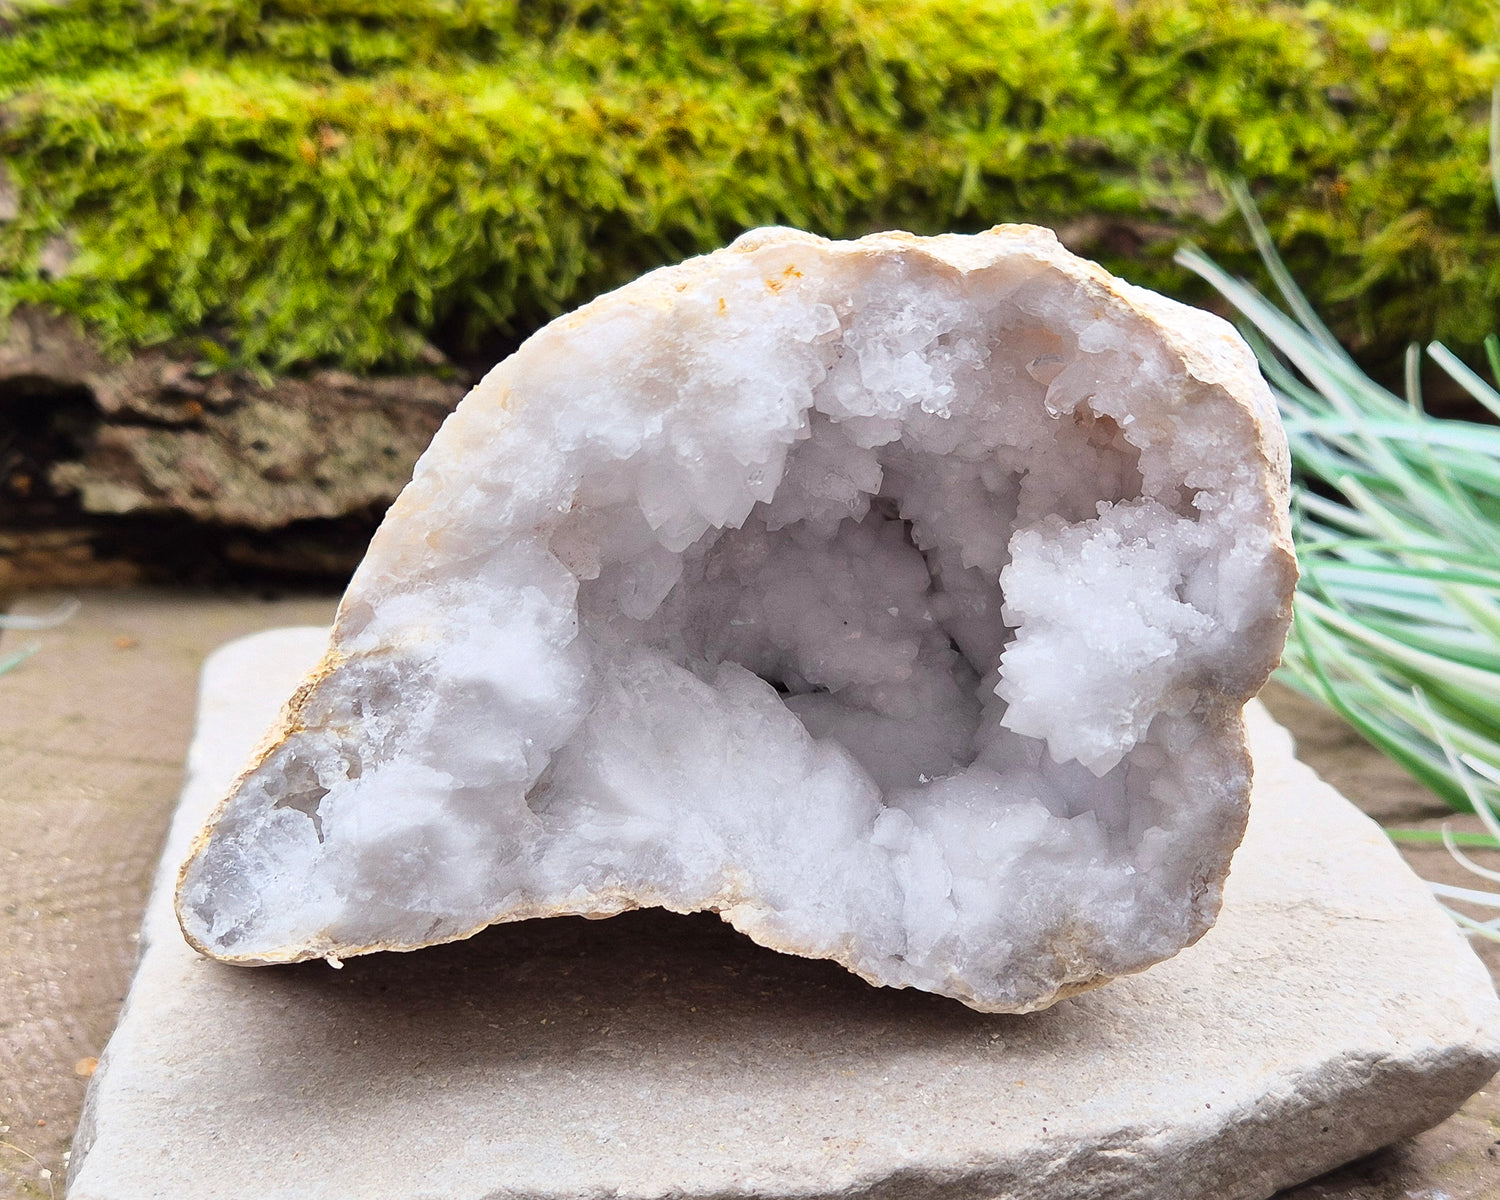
92,732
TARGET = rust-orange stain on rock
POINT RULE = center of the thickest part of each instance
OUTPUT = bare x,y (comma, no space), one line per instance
791,272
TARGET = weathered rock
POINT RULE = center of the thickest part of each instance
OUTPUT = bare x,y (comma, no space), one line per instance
225,448
261,459
1332,1009
148,437
59,557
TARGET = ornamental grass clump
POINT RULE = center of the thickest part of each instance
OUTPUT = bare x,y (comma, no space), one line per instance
1397,524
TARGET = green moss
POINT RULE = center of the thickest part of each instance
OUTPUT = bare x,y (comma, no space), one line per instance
305,181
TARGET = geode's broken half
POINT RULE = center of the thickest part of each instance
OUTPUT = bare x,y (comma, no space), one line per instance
895,599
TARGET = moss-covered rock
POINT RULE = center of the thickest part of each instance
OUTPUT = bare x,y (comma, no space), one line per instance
291,182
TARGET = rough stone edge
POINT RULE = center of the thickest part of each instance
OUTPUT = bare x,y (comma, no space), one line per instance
163,443
1195,1167
1210,349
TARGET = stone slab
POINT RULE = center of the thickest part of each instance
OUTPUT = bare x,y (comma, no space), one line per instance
94,727
1333,1009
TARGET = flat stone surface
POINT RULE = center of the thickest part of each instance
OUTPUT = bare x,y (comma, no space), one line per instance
78,841
1333,1009
93,730
1459,1159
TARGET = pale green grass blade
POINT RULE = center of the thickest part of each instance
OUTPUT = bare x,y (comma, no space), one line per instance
1316,679
11,661
1433,837
1472,789
1303,311
1483,685
1365,686
57,616
1465,377
1485,929
1450,891
1451,845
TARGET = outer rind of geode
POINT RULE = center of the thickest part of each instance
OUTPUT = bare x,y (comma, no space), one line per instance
493,491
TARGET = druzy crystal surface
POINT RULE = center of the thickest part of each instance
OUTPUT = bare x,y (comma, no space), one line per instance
895,599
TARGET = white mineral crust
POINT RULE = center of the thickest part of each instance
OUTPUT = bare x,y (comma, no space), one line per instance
895,599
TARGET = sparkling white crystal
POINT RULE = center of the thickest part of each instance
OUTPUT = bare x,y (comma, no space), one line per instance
895,599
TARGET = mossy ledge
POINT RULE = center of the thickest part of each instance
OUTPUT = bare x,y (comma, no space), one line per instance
368,183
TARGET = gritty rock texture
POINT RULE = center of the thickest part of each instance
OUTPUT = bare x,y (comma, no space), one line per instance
895,599
1330,1010
95,445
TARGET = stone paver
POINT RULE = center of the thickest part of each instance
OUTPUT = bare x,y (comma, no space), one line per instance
93,730
110,699
1460,1159
1331,1009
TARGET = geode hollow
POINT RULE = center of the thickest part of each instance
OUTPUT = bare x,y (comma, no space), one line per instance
895,599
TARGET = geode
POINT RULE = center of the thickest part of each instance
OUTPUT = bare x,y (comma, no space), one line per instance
894,599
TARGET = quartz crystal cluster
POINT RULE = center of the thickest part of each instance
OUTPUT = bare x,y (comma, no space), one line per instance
895,599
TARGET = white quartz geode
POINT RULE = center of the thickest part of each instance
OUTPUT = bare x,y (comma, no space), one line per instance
895,599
